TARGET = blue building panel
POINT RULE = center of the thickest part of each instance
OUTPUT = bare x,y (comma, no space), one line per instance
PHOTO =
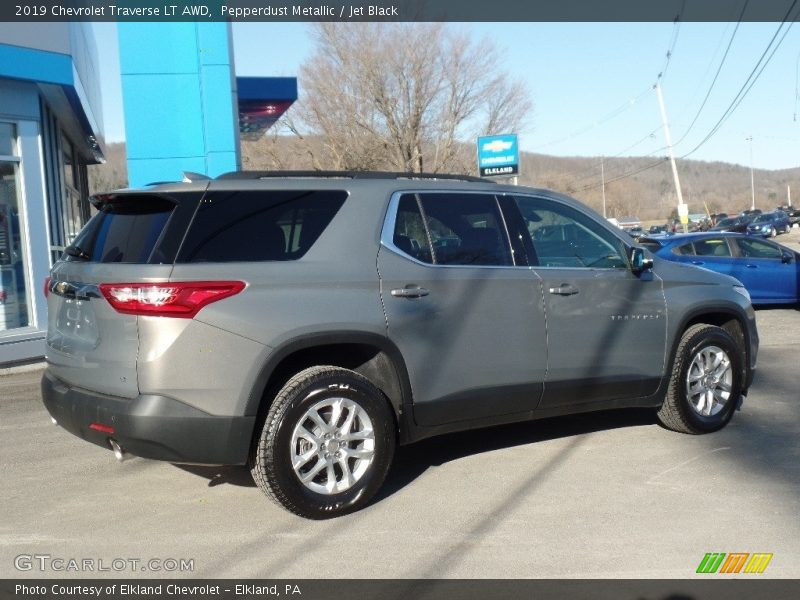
213,44
158,48
152,170
178,92
162,116
29,64
220,162
218,109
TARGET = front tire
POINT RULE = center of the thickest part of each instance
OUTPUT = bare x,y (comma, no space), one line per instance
773,232
706,381
326,445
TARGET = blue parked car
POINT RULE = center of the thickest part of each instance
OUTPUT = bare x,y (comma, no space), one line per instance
769,224
769,271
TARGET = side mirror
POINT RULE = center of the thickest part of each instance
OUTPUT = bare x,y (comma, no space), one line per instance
639,263
786,257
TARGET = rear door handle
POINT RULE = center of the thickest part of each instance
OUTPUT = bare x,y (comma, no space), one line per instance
410,292
564,289
697,262
752,266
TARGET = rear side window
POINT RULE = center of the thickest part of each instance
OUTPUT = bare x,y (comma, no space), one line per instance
712,247
259,225
452,229
125,229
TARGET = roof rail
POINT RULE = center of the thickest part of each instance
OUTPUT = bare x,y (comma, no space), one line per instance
346,175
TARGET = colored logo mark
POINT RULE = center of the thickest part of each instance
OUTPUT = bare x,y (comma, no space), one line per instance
734,562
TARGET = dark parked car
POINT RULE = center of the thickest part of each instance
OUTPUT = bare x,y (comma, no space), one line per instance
307,324
769,271
769,224
735,224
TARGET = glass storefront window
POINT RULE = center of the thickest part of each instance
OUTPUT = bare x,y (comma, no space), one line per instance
13,292
7,136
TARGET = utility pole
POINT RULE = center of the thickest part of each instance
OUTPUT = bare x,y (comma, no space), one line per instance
669,151
603,181
752,180
789,194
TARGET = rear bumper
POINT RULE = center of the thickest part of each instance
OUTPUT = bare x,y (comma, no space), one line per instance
150,426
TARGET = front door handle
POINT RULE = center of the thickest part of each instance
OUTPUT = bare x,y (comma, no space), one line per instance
410,292
752,266
564,289
697,262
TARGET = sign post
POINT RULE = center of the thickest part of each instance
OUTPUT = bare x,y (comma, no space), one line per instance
498,155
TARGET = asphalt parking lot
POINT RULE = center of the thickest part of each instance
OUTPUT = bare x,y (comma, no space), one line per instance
610,494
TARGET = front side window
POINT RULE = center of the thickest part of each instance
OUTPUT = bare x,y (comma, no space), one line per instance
750,248
564,237
452,229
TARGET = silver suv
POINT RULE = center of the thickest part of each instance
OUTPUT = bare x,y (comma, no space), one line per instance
305,324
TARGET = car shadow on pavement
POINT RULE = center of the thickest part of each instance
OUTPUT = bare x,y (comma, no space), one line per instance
412,461
231,475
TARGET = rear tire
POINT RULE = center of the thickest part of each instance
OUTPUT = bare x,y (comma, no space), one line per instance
326,445
773,232
706,381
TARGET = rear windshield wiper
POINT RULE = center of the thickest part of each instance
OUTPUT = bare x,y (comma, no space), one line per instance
77,252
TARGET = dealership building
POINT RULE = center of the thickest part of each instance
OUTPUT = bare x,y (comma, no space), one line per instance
184,110
50,130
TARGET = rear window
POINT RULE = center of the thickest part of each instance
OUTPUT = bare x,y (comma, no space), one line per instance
124,230
259,225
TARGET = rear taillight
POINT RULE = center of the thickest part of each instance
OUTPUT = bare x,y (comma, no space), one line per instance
47,286
180,299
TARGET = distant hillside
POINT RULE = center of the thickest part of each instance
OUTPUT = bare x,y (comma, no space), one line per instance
647,193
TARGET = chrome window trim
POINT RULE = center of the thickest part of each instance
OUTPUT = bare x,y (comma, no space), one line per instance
390,220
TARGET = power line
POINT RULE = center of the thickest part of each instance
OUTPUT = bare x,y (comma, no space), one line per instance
676,28
647,167
590,172
716,75
751,79
628,104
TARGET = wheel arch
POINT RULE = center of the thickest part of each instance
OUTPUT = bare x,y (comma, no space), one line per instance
727,318
371,355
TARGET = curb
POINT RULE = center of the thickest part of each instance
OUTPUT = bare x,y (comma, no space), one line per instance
16,370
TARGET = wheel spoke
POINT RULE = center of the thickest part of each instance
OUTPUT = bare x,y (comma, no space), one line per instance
300,460
357,436
358,453
331,483
348,421
336,414
304,433
317,418
306,477
722,368
347,478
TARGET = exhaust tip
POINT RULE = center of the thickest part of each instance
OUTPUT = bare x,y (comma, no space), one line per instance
53,421
119,453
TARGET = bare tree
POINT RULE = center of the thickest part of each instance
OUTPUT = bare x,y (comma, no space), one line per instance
402,96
